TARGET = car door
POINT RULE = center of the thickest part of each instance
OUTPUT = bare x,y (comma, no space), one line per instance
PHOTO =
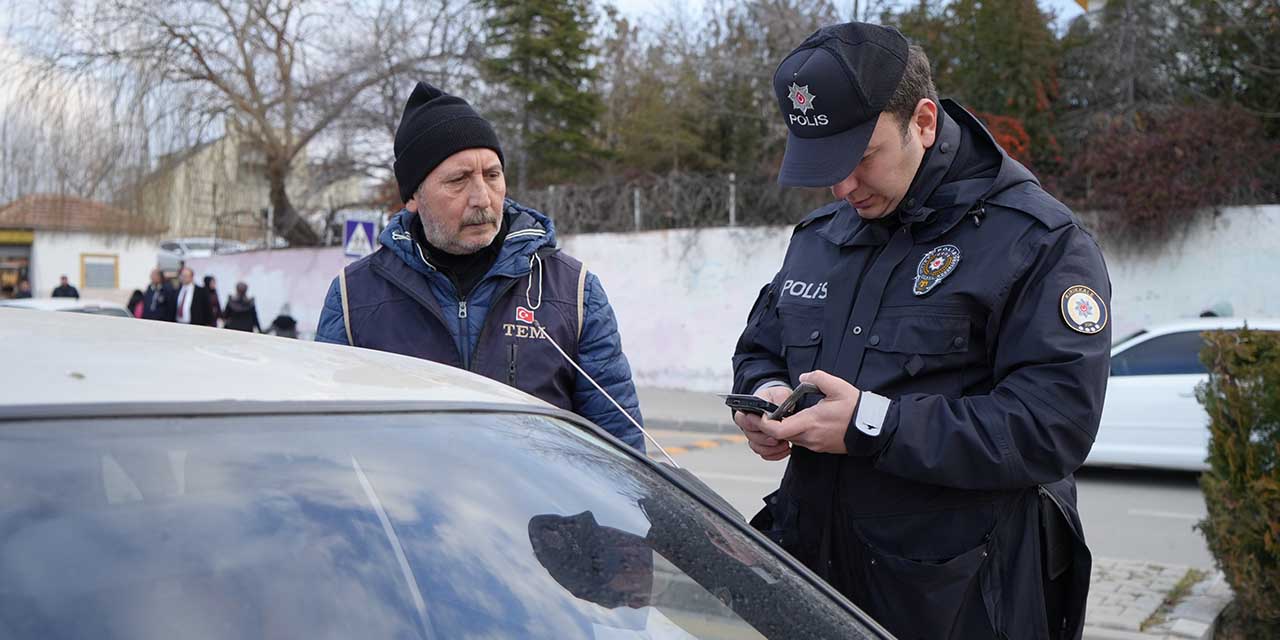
1151,416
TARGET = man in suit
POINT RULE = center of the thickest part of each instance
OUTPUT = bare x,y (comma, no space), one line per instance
193,301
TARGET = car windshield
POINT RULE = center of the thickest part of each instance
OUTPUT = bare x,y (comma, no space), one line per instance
411,525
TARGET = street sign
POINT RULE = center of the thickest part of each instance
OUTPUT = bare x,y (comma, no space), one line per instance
357,239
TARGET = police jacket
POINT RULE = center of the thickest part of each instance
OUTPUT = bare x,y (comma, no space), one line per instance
399,302
978,310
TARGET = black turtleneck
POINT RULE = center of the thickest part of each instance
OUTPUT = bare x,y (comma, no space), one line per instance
466,271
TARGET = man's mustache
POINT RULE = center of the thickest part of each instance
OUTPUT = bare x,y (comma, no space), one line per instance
479,216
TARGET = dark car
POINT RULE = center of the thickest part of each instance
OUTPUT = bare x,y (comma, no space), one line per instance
283,489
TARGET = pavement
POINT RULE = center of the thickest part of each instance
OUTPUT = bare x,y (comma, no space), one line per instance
1128,599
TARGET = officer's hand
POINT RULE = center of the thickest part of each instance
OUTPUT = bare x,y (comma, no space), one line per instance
822,427
765,446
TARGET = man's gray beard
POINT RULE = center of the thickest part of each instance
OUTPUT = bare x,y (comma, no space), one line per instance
441,238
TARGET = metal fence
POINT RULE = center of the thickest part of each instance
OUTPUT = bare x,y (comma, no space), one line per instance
673,201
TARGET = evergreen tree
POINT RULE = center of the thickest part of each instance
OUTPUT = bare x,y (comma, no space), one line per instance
539,61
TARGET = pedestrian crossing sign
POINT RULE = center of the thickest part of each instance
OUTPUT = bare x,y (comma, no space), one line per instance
357,239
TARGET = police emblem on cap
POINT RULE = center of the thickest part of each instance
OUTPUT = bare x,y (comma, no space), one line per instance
801,99
1083,309
934,266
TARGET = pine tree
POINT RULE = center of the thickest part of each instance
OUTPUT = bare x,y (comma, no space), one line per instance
539,60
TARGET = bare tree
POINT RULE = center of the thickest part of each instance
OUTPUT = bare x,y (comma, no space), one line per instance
289,72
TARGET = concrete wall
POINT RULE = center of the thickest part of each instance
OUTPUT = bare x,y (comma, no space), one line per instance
297,277
55,253
682,296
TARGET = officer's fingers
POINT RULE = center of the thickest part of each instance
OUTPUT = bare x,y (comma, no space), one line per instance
833,387
789,429
774,394
760,437
775,452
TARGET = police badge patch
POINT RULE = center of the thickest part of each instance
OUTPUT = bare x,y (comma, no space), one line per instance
1083,309
801,99
937,264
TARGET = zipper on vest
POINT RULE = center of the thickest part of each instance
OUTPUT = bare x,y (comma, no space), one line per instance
511,369
462,309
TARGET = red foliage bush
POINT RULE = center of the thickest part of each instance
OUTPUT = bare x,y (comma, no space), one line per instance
1149,174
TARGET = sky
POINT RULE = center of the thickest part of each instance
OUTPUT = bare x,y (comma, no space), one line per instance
1066,10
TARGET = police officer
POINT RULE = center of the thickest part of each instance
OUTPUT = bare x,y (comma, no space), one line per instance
955,317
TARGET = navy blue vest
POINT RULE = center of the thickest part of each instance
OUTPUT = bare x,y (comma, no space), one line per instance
391,308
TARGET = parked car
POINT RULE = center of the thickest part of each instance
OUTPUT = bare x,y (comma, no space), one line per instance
75,305
1151,417
162,481
177,250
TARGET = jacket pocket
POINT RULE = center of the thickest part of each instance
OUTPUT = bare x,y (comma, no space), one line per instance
778,521
917,353
929,600
801,339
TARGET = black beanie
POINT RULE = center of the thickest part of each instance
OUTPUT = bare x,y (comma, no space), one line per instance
436,125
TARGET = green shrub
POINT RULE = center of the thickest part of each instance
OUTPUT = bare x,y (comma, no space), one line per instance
1242,487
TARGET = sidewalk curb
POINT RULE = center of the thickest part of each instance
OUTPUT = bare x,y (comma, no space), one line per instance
701,426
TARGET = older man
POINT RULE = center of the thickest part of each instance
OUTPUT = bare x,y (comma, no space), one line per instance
471,279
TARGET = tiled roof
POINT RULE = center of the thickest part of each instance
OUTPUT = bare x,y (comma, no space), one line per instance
51,212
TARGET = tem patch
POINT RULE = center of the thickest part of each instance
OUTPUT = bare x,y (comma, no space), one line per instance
1083,309
936,265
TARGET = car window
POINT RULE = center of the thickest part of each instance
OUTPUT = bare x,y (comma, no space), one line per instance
382,526
1175,353
170,246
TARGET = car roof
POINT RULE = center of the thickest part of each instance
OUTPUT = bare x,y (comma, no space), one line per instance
60,304
92,360
1210,324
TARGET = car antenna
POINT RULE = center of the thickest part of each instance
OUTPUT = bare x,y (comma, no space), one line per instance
537,260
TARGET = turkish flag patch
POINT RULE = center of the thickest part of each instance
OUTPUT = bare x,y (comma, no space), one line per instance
524,315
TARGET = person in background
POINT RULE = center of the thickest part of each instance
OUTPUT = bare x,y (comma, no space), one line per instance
215,307
137,303
284,325
65,290
24,289
193,300
159,300
241,313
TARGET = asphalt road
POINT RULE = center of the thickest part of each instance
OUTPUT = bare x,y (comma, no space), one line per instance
1128,514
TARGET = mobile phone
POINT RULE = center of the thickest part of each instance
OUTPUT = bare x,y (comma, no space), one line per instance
789,406
747,403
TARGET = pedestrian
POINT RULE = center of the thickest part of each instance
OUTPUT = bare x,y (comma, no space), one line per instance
284,326
137,303
24,289
193,301
462,262
159,300
215,304
242,312
955,316
65,290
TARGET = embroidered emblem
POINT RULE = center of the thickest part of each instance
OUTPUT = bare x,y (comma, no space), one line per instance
1083,309
524,315
934,267
801,99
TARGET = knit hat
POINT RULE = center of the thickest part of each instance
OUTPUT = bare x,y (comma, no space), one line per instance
436,125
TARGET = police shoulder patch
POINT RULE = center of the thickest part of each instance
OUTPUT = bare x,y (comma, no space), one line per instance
1083,309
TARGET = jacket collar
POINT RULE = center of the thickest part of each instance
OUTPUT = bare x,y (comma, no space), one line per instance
529,230
932,206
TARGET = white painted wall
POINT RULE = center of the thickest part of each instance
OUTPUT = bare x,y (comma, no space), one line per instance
297,277
55,253
682,296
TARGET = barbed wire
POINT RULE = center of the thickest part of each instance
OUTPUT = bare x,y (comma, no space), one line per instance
672,201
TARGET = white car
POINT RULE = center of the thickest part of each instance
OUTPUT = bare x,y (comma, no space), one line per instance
74,305
176,250
169,481
1151,417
